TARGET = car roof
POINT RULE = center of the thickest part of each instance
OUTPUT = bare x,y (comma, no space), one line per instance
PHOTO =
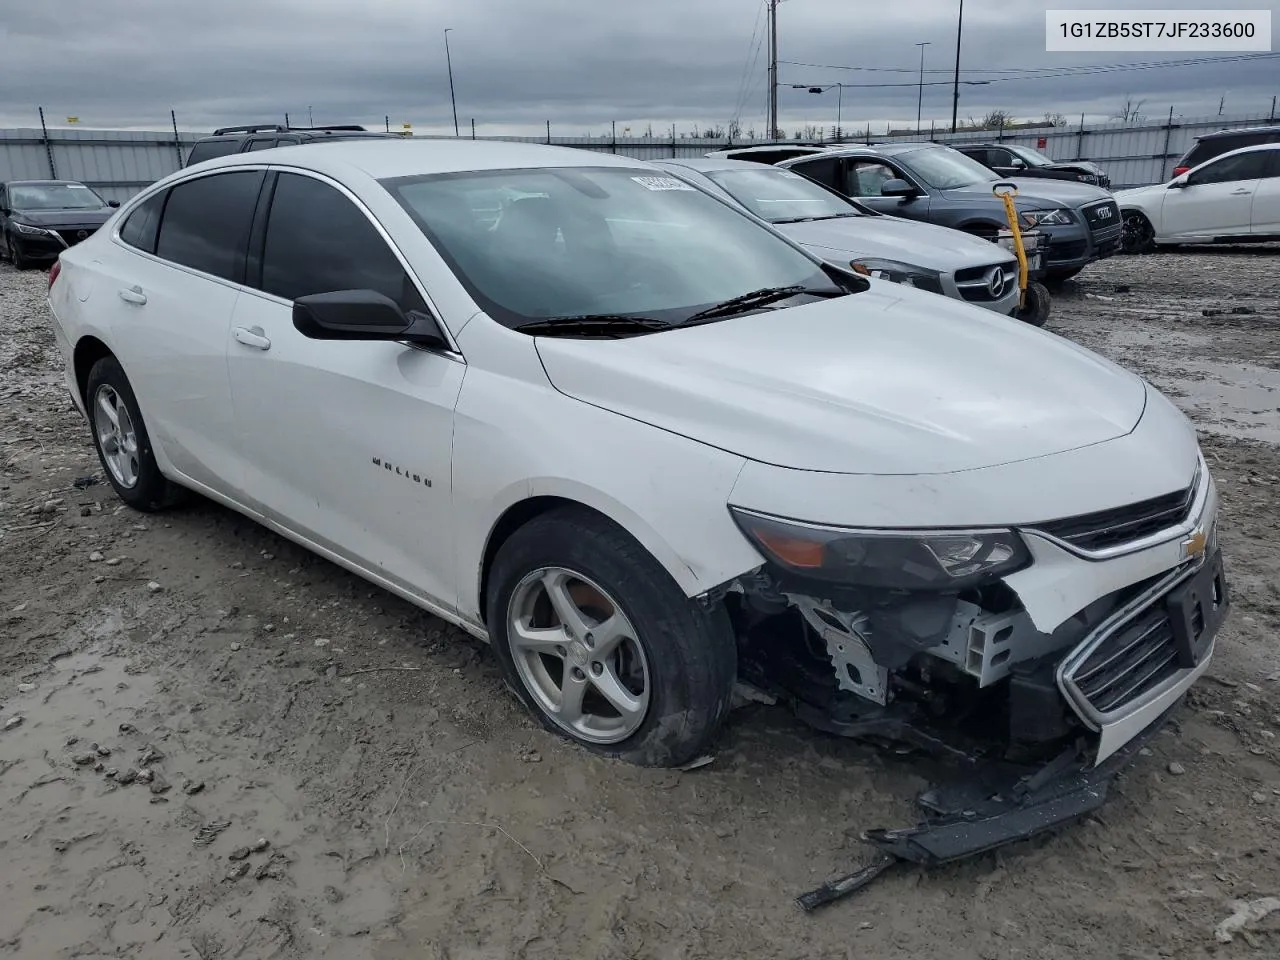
703,164
1236,131
384,158
39,183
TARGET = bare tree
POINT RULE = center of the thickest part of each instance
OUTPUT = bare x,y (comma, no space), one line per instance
735,130
1052,119
1130,111
995,119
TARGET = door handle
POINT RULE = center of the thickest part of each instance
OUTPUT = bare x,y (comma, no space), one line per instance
1241,193
133,294
251,337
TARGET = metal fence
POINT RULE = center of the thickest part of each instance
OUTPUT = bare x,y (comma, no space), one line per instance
120,163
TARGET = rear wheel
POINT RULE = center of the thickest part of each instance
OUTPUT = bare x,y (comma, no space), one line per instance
1036,309
120,436
601,644
1139,236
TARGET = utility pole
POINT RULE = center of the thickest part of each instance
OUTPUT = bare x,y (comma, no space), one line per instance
449,63
955,90
920,95
773,69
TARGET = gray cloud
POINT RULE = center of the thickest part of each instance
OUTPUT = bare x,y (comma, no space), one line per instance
580,64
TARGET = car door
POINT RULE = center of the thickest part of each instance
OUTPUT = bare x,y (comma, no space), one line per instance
349,442
1264,217
166,291
863,178
1216,200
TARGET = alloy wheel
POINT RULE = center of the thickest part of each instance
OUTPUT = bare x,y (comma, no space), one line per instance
578,655
117,436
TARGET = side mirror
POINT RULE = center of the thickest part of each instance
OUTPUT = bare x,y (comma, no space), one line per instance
897,188
113,203
1017,163
363,315
1179,183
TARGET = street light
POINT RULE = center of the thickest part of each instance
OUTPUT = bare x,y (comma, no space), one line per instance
920,95
449,63
839,99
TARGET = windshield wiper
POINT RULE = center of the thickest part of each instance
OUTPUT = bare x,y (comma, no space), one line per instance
756,298
601,324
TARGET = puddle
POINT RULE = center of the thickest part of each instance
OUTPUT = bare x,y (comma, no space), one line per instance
1239,400
98,829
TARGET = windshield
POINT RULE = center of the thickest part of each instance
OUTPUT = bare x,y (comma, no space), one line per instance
945,169
781,196
1033,157
54,196
532,244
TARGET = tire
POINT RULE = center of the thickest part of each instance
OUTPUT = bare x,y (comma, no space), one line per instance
16,256
677,659
123,445
1139,236
1036,311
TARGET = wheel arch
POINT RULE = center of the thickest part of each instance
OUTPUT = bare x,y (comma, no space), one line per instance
980,226
88,351
539,497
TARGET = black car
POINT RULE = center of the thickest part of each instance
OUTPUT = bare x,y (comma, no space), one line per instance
1215,144
264,136
1014,160
41,218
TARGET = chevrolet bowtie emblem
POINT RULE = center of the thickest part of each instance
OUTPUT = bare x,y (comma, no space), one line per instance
1194,545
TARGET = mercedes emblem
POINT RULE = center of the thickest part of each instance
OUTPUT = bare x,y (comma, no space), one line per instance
995,282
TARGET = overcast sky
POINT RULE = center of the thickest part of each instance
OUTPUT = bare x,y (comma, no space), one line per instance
578,63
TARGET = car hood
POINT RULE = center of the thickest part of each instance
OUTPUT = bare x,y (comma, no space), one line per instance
1032,191
64,218
892,238
888,381
1086,165
1136,193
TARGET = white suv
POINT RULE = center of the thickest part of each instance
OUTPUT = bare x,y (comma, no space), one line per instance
648,447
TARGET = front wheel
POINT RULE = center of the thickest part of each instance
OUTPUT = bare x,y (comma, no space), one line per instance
600,643
1036,309
121,438
1139,236
16,256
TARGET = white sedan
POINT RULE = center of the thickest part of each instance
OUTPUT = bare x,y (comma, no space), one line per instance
1233,198
647,447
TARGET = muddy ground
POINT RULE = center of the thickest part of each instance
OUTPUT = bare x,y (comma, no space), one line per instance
320,770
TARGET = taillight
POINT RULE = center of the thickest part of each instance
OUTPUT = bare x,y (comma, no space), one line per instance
1179,171
54,271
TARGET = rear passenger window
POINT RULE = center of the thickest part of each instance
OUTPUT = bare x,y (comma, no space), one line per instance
208,149
206,222
263,144
318,241
142,225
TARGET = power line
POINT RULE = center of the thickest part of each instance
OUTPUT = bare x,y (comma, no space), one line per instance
1042,73
748,67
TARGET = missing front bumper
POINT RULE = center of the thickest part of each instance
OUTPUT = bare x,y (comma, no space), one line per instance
984,811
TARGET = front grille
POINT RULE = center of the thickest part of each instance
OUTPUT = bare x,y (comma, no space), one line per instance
1121,525
1102,216
1130,663
1071,250
72,234
972,282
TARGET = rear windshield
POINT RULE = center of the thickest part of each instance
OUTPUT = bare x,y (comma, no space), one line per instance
208,149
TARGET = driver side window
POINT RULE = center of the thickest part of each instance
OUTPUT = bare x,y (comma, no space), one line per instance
863,178
1244,166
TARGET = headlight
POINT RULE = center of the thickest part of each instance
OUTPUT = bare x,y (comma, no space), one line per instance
30,230
904,273
1058,217
943,561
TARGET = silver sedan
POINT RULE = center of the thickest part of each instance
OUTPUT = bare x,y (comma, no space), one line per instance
848,234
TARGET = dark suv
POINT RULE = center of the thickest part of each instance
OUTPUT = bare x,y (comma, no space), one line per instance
1215,144
264,136
1015,160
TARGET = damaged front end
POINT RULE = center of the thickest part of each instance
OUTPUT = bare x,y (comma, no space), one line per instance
922,640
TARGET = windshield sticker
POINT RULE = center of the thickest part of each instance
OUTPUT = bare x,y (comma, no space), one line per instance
661,183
